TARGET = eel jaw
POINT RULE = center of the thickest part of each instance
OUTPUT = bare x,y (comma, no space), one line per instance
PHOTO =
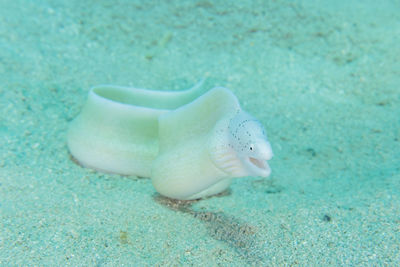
258,166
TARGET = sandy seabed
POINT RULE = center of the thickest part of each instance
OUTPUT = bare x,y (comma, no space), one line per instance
322,76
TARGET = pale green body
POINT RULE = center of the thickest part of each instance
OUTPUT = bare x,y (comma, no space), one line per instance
117,130
182,140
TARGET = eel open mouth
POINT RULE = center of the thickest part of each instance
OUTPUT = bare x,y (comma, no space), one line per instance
258,162
259,166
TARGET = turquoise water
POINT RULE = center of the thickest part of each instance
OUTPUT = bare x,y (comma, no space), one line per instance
322,76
